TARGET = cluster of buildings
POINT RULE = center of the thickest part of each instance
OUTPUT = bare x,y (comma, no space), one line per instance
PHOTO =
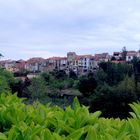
77,63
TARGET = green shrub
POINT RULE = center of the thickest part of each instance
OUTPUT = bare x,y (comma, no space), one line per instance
42,122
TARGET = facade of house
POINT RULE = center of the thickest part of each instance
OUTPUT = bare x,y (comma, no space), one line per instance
52,63
21,65
103,57
2,64
34,64
84,63
63,63
117,55
10,65
80,64
130,55
71,56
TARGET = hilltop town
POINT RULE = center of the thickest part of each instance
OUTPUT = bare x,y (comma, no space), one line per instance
78,63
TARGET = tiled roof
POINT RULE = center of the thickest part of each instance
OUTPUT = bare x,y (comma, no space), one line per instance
57,58
63,58
117,53
78,57
131,53
118,61
35,60
102,55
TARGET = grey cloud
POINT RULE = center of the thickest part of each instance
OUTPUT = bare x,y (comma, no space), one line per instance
53,27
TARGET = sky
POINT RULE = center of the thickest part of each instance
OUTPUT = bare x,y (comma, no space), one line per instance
45,28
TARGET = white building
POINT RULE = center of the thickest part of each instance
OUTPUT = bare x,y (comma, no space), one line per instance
130,55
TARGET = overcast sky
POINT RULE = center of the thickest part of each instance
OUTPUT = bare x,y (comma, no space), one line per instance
45,28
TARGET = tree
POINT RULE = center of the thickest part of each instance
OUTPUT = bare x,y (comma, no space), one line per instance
103,66
59,85
136,70
101,76
127,86
113,101
1,55
6,81
112,73
38,88
72,75
87,85
47,77
113,58
102,100
124,53
4,87
59,74
8,75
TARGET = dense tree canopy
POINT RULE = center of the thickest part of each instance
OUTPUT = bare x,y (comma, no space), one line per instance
110,88
87,85
38,88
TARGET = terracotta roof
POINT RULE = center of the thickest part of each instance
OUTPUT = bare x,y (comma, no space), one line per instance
117,53
118,61
56,58
131,53
78,57
63,58
102,55
35,60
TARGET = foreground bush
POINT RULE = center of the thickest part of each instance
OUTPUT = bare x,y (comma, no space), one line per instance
39,122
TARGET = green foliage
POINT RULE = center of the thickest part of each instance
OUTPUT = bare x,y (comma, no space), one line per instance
72,75
37,88
58,85
103,99
47,77
6,79
22,72
112,73
3,85
113,101
8,76
101,76
41,122
59,74
126,86
87,85
136,65
124,53
1,55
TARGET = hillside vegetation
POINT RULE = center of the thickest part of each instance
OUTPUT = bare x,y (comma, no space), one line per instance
110,88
